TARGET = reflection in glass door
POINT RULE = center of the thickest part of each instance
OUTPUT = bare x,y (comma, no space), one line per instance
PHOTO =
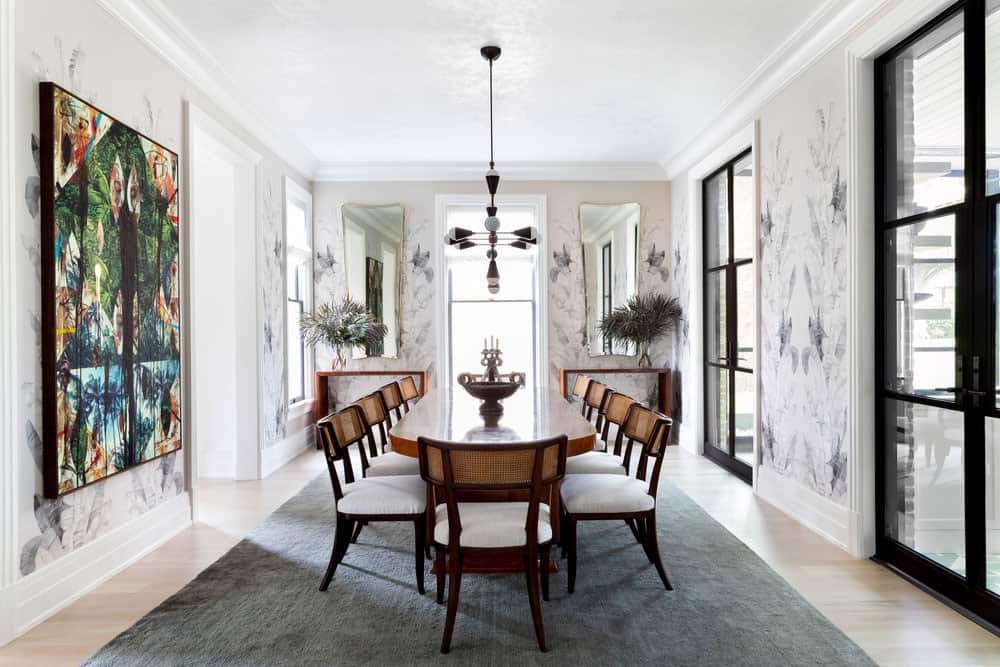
936,198
727,216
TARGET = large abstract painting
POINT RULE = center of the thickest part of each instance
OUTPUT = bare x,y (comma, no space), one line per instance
110,295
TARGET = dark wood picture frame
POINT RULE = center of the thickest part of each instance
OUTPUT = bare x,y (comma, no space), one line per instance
167,165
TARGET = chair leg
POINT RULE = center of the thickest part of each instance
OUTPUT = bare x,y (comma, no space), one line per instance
544,556
439,565
654,549
531,570
340,541
454,586
357,531
571,539
418,539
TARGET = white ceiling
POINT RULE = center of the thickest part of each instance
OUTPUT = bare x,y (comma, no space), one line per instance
579,80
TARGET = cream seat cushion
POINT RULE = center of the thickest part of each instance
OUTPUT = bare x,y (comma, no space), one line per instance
594,462
399,494
392,463
605,494
492,524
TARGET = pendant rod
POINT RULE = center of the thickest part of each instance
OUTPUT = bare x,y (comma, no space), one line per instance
491,114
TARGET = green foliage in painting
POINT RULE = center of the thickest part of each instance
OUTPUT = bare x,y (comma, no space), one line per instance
115,253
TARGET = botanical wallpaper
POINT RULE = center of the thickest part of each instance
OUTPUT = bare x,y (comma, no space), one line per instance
680,286
802,267
271,289
804,316
112,71
563,273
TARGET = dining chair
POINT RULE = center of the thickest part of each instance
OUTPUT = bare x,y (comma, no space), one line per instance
601,497
616,410
392,397
468,522
376,417
593,402
580,386
408,390
378,462
372,499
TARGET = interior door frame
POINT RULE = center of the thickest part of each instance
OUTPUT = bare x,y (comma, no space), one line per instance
975,226
247,429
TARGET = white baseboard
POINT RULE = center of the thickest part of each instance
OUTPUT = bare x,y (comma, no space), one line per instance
46,591
834,522
278,455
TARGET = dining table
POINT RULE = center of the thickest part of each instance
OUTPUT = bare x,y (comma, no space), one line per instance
532,413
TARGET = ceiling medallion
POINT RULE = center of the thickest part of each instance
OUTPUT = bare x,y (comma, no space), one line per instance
492,237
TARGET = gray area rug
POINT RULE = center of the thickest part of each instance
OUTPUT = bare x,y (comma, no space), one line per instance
259,603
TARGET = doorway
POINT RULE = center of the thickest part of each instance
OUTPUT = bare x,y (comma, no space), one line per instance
937,194
221,244
728,246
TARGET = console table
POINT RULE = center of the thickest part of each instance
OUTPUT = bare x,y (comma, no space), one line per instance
321,395
662,381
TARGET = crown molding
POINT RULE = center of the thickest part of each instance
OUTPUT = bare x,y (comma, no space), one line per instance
475,171
154,24
825,28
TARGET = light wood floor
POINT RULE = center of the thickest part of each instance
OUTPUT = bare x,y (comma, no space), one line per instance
893,621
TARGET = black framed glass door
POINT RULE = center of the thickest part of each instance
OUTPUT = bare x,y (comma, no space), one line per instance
937,194
727,216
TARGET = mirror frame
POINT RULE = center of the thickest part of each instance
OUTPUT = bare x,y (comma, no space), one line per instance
400,263
583,261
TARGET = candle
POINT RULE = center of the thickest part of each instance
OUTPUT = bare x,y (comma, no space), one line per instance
484,343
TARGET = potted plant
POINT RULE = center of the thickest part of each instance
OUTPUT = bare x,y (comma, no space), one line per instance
641,321
341,326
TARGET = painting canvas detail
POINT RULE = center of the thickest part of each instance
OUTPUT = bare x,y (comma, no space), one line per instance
110,294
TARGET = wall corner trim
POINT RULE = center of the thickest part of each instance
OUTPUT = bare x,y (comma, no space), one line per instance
9,399
44,592
861,52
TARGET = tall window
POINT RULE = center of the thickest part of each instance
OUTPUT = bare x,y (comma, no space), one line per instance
511,316
298,283
729,315
937,197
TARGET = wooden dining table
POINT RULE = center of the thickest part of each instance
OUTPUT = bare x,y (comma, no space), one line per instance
530,414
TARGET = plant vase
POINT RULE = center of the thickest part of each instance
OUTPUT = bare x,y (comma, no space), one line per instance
644,360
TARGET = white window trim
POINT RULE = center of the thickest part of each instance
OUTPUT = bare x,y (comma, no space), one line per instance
441,204
301,197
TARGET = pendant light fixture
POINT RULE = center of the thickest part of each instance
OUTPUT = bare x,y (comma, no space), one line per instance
492,237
